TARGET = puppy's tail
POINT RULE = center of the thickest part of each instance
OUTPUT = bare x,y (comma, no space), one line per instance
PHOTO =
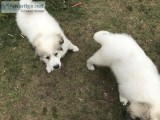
139,110
100,37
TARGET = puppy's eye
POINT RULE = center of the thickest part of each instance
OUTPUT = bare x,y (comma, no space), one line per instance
47,57
56,54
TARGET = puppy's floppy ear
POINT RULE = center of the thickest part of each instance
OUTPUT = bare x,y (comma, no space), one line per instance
61,48
36,53
61,39
33,48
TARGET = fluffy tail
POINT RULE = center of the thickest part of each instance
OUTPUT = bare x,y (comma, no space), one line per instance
100,37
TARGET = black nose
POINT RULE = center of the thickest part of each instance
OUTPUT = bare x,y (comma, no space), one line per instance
56,66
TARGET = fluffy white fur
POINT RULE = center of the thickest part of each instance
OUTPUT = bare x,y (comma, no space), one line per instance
137,76
45,34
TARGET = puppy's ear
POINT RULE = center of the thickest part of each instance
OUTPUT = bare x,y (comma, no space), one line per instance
36,53
61,39
61,48
33,48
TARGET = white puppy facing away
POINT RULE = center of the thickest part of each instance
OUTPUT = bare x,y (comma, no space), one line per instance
45,35
137,76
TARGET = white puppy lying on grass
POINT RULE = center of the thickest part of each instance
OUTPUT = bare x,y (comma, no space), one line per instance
46,36
137,76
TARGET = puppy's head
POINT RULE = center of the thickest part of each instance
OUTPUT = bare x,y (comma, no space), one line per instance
48,48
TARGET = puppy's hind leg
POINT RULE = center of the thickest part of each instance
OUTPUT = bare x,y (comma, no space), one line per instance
94,60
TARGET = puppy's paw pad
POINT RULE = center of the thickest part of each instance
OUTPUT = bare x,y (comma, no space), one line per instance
75,49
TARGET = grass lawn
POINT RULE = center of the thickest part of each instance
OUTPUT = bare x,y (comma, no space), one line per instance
28,92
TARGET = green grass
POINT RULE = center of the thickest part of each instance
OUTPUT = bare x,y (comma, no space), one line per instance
28,92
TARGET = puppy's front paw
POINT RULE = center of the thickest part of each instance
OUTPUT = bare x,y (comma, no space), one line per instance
90,66
123,100
124,103
75,49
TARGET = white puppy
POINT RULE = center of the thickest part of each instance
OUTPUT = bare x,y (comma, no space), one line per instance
137,76
46,36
